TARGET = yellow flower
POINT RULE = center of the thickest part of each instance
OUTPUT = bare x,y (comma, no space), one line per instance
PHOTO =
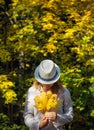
49,94
53,103
41,101
10,96
47,101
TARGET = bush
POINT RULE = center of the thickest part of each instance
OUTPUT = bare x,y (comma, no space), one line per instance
5,124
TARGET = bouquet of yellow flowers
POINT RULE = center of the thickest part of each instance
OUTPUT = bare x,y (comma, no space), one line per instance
47,101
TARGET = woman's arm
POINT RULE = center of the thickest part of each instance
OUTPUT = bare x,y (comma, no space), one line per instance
29,119
67,115
32,118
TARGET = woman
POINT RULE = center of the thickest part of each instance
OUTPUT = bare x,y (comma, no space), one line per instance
47,76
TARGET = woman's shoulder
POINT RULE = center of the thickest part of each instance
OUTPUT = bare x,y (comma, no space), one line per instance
32,91
64,91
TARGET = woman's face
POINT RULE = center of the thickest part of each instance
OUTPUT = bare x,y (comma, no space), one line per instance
46,87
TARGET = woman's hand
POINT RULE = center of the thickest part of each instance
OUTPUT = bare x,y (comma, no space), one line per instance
47,116
50,115
43,122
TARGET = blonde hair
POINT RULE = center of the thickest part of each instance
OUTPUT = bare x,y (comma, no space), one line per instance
36,84
55,88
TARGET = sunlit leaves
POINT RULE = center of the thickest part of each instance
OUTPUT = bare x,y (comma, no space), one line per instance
47,101
5,55
50,47
10,96
69,33
92,113
15,2
56,29
91,88
6,89
71,76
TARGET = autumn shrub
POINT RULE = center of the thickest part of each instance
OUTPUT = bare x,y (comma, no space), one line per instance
5,124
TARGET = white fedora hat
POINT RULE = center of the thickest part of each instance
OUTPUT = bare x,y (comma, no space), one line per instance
47,72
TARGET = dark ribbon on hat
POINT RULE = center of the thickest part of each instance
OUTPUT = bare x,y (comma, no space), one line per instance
48,79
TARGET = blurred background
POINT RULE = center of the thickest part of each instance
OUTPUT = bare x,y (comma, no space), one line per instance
33,30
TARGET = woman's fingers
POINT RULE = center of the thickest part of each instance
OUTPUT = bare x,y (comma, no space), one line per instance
50,115
43,122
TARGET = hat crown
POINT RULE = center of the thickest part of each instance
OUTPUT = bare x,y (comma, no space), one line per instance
47,72
47,69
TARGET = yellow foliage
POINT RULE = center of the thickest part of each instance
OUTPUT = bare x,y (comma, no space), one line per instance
48,26
53,103
6,89
2,1
92,79
49,4
69,33
27,65
92,113
48,17
73,70
50,47
41,101
74,15
86,17
15,2
49,93
84,20
5,83
10,96
47,101
90,62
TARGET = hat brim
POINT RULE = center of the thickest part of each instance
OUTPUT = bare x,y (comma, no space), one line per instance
45,81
